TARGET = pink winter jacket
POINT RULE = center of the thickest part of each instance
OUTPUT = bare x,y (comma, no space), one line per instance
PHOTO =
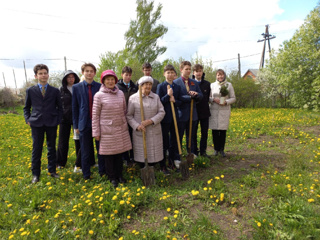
109,121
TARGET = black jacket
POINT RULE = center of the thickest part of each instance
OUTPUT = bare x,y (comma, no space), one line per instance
127,91
203,109
66,97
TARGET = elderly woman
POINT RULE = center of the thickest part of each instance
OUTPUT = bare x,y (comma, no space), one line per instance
153,114
220,112
109,126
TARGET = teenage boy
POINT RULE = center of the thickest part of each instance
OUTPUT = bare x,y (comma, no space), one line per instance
82,102
202,110
128,88
45,116
168,95
189,90
147,70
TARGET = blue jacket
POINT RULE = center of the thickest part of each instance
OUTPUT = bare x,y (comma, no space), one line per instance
184,108
165,100
80,104
46,111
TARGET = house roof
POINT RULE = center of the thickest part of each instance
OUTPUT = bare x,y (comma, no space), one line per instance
253,71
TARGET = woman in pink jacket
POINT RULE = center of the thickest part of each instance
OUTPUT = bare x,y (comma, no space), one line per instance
109,126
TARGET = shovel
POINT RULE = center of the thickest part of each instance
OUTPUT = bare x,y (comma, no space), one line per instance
147,173
184,168
190,156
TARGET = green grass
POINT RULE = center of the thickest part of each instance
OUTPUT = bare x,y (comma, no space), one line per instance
266,188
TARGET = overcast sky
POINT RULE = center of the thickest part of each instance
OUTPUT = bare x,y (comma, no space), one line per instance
36,31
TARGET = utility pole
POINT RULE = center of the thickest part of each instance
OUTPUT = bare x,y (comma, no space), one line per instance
25,71
4,80
266,37
65,63
14,76
239,66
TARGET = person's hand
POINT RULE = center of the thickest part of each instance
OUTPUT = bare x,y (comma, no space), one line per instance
97,138
28,123
172,99
216,100
193,93
170,92
147,122
141,128
77,131
224,104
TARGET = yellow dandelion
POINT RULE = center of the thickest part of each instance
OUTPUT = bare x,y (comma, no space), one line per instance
168,209
259,224
90,232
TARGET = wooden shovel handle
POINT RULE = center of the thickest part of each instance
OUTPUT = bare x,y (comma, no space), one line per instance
143,133
175,125
190,125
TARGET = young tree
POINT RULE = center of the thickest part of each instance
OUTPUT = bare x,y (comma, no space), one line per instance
296,68
144,33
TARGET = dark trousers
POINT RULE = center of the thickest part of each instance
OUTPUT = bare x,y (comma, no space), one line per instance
169,143
38,139
204,124
128,155
185,128
219,139
63,144
87,153
114,166
78,153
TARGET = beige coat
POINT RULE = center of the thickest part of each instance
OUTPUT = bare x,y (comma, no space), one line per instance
109,121
153,109
220,115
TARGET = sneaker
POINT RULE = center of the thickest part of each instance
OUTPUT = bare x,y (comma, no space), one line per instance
177,163
215,153
194,156
77,169
222,153
165,171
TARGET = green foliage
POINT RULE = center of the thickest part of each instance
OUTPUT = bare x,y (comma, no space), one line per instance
143,33
247,91
224,90
8,99
293,74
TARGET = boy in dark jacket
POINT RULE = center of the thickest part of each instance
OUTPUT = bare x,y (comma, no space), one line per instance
202,110
43,113
168,95
127,86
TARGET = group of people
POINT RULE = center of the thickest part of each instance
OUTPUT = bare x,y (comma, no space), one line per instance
110,113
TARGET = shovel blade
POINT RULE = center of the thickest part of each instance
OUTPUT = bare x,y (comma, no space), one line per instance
184,168
147,176
190,158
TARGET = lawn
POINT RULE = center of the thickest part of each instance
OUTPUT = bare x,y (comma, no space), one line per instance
266,188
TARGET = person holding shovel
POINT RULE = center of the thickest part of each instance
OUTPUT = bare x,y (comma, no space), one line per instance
190,94
169,92
220,111
153,114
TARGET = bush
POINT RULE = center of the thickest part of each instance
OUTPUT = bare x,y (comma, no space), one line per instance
8,99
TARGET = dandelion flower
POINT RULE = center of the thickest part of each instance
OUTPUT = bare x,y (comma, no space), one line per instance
90,232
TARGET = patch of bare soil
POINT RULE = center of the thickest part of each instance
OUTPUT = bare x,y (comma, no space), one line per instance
234,222
311,130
